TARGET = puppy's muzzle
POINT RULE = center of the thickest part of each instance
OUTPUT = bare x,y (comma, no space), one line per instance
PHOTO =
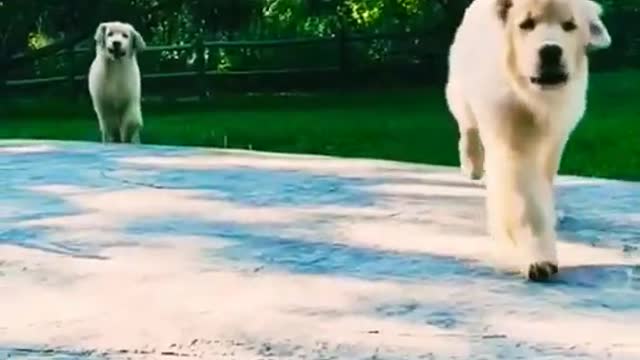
116,49
551,70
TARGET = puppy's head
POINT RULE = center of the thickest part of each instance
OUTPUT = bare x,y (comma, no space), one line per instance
547,40
118,40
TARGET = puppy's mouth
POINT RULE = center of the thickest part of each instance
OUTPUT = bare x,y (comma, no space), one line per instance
550,79
116,53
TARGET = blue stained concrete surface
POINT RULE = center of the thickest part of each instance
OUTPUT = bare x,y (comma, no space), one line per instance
611,223
264,245
601,216
264,187
47,354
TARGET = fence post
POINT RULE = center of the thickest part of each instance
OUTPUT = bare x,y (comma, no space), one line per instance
70,71
3,78
343,41
201,64
343,45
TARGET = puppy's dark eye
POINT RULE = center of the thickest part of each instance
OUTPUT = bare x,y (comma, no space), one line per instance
569,26
125,35
110,33
528,24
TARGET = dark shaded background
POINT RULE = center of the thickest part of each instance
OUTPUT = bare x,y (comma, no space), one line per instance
412,50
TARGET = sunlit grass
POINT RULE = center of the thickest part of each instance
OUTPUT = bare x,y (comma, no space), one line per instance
408,125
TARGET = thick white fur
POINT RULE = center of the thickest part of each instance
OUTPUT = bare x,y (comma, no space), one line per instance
114,83
513,131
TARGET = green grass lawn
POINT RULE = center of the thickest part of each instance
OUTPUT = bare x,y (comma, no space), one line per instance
406,125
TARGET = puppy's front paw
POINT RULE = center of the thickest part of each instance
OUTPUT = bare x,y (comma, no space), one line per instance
542,271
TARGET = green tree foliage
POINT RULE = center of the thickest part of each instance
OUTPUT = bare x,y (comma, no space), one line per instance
46,26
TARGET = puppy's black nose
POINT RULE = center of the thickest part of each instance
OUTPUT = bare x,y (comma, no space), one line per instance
550,55
117,44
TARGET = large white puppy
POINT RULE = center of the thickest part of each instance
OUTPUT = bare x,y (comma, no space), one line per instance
517,87
114,82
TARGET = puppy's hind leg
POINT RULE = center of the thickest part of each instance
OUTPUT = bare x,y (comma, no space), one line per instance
470,148
471,153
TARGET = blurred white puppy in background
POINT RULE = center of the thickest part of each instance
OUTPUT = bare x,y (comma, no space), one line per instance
114,82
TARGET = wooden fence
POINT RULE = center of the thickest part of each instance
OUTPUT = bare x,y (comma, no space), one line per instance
201,73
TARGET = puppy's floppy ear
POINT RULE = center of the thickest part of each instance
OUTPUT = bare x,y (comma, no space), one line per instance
99,37
502,9
138,44
599,37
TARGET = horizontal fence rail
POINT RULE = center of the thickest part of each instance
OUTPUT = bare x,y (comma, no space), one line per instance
199,48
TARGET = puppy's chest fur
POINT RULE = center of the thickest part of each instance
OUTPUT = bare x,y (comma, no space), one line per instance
119,83
523,125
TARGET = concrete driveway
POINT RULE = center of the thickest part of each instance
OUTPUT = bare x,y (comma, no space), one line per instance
123,252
